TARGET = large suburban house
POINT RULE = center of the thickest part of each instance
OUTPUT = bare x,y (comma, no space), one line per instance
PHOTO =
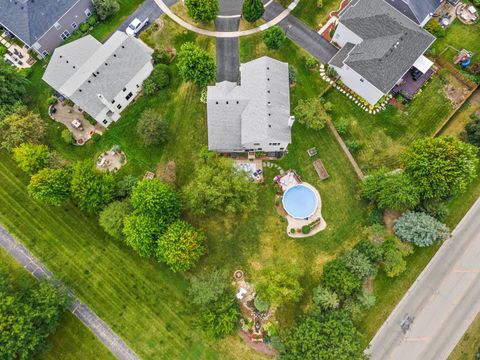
379,46
101,79
253,115
42,25
419,11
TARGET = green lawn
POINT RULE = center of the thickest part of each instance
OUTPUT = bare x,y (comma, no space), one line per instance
384,136
312,15
72,339
469,345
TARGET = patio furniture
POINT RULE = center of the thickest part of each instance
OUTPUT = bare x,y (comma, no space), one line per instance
320,169
312,151
77,124
102,162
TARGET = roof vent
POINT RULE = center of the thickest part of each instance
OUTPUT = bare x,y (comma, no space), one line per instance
269,103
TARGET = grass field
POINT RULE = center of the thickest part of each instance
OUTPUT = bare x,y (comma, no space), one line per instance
72,339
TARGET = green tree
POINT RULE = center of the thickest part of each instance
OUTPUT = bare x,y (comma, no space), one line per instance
13,86
325,298
142,232
279,286
324,336
339,279
391,190
28,315
105,8
202,10
20,127
358,264
434,27
126,185
151,128
420,229
156,199
181,246
440,167
274,37
50,186
31,157
91,189
472,131
159,79
311,113
208,288
393,263
373,252
217,187
112,217
66,136
195,65
252,10
221,319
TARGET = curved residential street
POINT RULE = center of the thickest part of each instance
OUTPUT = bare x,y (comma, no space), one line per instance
101,330
440,305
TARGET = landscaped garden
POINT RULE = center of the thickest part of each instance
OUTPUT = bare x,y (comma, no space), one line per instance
141,289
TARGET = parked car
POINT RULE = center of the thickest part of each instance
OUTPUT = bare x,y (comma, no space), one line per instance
135,26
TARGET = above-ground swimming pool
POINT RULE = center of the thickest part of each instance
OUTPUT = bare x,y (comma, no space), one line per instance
300,201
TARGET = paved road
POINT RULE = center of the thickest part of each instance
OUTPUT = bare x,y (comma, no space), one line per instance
103,332
301,34
227,52
149,9
444,300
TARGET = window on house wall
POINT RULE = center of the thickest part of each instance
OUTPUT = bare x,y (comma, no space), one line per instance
105,121
88,13
74,25
65,35
128,96
119,106
45,53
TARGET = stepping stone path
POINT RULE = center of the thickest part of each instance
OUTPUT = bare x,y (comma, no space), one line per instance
275,166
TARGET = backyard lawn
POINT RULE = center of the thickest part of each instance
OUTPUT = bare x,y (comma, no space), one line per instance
312,15
72,339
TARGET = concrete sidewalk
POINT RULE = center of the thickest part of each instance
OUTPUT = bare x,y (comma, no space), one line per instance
101,330
443,301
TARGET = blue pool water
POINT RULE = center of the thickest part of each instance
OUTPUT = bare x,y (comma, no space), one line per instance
300,201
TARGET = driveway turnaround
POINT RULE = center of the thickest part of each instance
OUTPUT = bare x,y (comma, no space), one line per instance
227,50
441,304
298,32
101,330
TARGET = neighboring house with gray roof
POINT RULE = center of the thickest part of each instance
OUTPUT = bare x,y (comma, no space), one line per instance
100,79
42,25
420,11
379,45
253,115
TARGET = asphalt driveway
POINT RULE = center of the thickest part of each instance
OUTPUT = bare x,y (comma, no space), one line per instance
301,34
227,50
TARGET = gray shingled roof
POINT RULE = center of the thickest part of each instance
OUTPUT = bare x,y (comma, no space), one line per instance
105,69
417,10
256,110
30,19
391,42
341,55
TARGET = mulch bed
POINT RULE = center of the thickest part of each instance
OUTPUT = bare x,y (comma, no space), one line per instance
256,345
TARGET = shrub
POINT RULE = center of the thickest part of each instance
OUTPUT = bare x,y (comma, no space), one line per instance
52,100
274,37
472,131
341,125
374,253
366,299
325,298
306,229
434,27
252,10
261,305
393,262
339,279
126,185
292,231
151,128
105,8
221,319
358,264
161,57
292,74
375,216
92,20
84,27
159,79
66,136
279,286
420,229
331,73
311,62
208,288
354,146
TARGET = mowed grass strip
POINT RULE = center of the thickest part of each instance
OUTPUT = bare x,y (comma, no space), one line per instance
142,301
72,339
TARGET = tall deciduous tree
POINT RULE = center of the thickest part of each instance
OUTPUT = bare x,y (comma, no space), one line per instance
216,186
312,113
195,65
50,186
31,157
440,167
111,218
151,128
105,8
180,246
21,126
91,189
339,279
142,232
13,86
279,286
252,10
324,336
202,10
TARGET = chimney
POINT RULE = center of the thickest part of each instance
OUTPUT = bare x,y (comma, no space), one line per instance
291,120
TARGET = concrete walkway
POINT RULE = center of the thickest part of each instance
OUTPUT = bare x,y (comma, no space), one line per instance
226,34
443,301
101,330
227,52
